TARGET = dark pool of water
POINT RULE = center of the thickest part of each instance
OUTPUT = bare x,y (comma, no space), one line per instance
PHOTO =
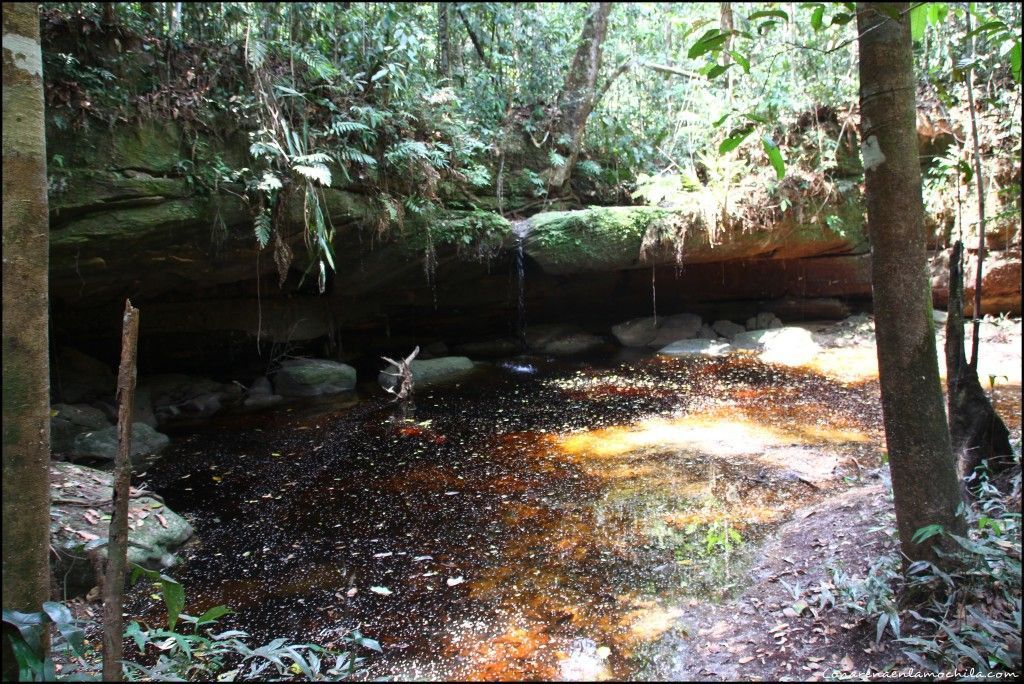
539,520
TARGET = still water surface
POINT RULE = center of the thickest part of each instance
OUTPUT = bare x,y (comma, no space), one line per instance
539,520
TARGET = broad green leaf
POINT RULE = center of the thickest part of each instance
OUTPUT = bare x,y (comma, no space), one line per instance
712,40
741,60
213,614
816,17
1015,61
174,599
734,140
842,19
774,156
918,20
926,532
379,75
717,70
768,13
66,625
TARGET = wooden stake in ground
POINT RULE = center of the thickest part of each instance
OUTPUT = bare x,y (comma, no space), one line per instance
117,546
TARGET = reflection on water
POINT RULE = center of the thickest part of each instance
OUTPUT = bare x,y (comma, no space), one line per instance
529,524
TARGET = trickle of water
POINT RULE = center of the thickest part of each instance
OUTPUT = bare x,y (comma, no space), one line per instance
521,229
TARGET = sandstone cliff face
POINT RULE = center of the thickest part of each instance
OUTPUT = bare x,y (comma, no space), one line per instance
126,221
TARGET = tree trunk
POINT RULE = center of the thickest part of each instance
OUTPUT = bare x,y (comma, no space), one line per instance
444,43
924,477
976,430
577,98
175,22
117,538
727,27
26,384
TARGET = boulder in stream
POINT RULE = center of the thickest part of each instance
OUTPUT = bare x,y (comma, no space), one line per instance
698,347
314,378
428,372
67,421
791,346
727,328
176,394
102,444
80,514
78,378
657,332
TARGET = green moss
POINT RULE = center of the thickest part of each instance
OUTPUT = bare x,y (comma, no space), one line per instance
594,237
458,228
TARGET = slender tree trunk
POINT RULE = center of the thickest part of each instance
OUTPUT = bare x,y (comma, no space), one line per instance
175,22
117,544
26,383
727,26
978,179
577,98
924,477
976,430
444,43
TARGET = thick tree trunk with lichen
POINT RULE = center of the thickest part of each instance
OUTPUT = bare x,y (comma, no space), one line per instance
976,430
924,477
577,98
26,412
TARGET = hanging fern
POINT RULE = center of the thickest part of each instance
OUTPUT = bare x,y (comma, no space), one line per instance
262,227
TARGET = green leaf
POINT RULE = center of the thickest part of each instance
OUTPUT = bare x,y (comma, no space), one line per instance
774,156
842,19
741,60
816,17
379,75
213,614
926,532
734,140
1015,61
717,70
768,13
28,660
66,625
918,20
712,40
174,599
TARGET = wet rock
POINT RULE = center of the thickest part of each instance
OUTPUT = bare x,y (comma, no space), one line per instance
314,378
637,332
81,499
102,444
682,326
67,421
651,332
727,328
537,336
573,343
175,394
790,346
261,393
697,347
486,349
706,332
763,321
428,372
78,378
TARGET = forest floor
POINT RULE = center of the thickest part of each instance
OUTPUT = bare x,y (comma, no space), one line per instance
778,629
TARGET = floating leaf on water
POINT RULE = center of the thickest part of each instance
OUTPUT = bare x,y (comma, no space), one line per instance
351,592
418,559
383,591
385,554
455,581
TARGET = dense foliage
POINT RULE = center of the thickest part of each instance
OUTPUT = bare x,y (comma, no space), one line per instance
421,104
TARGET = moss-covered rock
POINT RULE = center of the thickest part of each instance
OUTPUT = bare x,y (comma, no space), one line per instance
314,377
598,238
102,444
428,372
81,514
